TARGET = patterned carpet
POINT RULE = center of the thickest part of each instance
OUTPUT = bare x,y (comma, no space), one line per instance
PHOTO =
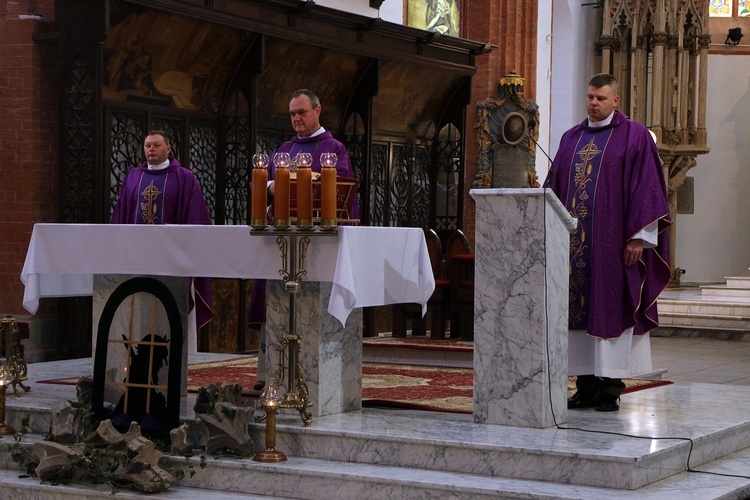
383,384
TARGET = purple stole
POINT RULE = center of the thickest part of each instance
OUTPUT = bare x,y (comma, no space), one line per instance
586,163
151,195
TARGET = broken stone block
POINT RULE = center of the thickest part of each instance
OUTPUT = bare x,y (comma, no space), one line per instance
227,430
66,423
230,393
54,461
180,442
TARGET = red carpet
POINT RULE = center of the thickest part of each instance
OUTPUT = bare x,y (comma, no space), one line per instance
383,384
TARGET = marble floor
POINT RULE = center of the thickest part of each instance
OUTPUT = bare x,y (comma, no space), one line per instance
706,405
702,360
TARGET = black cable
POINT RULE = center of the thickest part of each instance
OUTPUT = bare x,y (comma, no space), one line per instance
547,179
540,148
549,377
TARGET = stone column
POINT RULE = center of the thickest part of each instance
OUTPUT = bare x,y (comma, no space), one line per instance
658,84
701,137
521,308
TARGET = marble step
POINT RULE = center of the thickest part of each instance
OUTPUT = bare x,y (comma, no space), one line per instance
704,321
738,281
395,355
304,478
569,456
714,314
315,479
28,488
725,291
735,286
453,443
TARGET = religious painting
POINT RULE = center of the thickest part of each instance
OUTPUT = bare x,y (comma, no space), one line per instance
163,59
513,129
441,16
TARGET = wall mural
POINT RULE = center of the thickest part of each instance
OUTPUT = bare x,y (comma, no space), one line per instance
441,16
161,58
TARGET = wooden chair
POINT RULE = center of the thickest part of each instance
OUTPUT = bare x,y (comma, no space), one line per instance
456,244
436,305
460,266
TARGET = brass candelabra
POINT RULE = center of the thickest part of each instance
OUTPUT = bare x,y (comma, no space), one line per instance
5,379
293,243
16,364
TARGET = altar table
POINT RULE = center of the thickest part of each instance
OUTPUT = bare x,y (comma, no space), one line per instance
368,266
358,267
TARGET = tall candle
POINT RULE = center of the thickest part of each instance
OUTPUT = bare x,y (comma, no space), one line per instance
328,189
304,196
281,195
259,191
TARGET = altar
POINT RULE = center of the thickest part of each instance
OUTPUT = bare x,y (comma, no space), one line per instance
357,267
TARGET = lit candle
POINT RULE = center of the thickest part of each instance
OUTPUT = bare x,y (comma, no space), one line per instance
260,191
281,190
304,189
328,189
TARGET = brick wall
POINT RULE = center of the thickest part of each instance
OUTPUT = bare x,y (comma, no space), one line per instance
511,26
28,137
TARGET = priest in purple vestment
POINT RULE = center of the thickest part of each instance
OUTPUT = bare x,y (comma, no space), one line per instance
608,174
304,111
161,191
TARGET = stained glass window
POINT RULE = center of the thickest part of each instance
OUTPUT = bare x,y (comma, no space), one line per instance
720,8
743,7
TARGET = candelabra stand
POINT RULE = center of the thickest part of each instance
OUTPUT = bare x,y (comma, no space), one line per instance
293,243
16,363
5,380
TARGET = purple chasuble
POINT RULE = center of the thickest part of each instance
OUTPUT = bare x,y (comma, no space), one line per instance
610,178
322,143
171,195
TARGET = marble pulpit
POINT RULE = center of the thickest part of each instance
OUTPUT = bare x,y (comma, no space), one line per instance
521,307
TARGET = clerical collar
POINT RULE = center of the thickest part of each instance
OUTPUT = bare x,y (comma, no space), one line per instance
321,130
602,123
160,166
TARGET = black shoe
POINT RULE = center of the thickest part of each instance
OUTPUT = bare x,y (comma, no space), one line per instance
608,403
582,401
259,386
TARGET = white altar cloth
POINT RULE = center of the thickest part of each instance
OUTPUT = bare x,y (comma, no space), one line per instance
368,266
